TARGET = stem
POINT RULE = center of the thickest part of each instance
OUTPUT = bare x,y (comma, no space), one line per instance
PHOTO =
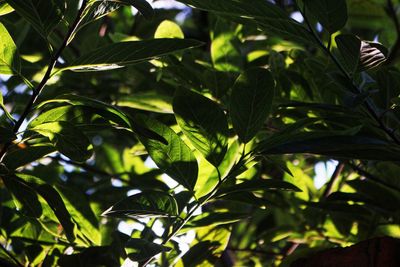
332,181
198,205
36,92
355,89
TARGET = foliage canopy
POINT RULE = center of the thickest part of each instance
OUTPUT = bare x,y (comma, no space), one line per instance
213,133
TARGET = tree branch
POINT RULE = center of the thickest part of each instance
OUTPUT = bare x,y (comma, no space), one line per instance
36,92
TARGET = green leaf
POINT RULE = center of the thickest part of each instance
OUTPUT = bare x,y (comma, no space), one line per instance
332,14
44,16
9,57
123,54
20,157
266,15
105,110
225,52
25,197
148,101
175,157
7,135
142,5
216,218
258,185
203,122
5,8
334,145
349,47
141,250
145,204
78,205
68,139
169,29
55,202
77,115
251,102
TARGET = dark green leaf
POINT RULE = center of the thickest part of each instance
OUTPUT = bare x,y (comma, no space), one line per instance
175,157
42,15
26,199
6,135
91,257
145,204
216,218
140,249
22,156
203,122
142,5
68,139
9,57
55,202
251,102
332,14
119,55
105,110
335,145
258,185
349,47
266,15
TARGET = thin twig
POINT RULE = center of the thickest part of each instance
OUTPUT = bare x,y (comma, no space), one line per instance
36,92
333,180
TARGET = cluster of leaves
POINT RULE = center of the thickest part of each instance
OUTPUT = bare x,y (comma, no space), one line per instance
236,106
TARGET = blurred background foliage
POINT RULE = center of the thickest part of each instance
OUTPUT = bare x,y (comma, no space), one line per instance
321,169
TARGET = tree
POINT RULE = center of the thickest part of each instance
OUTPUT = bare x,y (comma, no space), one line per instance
130,137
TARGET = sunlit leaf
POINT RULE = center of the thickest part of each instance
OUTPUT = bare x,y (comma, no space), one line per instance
149,101
258,185
251,102
68,139
145,204
78,206
9,56
107,111
5,8
203,122
175,157
169,29
123,54
217,218
266,15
